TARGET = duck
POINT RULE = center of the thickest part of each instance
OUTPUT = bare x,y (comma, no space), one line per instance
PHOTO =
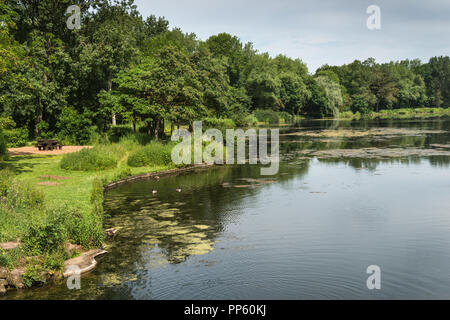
157,178
178,189
154,191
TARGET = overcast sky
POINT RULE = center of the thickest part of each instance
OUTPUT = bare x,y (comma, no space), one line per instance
320,31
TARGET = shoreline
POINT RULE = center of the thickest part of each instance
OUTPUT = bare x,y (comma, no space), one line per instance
86,261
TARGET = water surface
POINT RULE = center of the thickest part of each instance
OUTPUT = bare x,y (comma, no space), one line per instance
309,232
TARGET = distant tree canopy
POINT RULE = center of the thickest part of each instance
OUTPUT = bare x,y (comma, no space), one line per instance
121,68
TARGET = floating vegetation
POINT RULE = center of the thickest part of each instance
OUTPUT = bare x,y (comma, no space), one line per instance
440,146
166,214
252,183
201,226
376,153
346,133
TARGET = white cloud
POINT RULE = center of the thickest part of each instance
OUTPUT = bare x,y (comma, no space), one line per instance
329,31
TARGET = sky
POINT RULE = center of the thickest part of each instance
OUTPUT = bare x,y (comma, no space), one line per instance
318,32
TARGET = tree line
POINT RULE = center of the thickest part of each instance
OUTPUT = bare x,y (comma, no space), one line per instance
120,68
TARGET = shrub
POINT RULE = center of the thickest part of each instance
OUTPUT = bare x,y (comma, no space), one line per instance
47,237
117,132
154,153
54,261
19,195
285,116
87,230
97,198
97,190
74,128
3,146
130,141
218,123
16,137
34,274
245,120
6,259
267,115
95,159
7,123
123,174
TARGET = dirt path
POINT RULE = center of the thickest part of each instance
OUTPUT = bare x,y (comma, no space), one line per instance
24,151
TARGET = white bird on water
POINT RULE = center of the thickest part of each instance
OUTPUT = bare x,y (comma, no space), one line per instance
154,191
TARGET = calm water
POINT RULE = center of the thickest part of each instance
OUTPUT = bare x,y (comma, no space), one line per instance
308,233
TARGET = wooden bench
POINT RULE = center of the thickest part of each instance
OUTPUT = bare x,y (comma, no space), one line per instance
47,144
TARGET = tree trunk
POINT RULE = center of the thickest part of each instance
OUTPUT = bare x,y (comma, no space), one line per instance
157,122
162,129
39,117
114,122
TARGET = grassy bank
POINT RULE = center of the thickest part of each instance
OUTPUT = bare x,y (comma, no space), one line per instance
49,202
404,113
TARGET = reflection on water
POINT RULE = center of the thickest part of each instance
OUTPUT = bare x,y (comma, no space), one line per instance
307,233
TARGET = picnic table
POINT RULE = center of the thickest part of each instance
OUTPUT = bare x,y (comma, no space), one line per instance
48,144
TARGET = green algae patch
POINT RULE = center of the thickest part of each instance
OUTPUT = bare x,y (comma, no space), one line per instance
376,153
347,133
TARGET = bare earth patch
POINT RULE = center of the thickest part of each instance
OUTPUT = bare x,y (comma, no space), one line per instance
54,177
49,183
25,151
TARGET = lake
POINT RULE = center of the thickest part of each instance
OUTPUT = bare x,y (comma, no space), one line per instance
349,194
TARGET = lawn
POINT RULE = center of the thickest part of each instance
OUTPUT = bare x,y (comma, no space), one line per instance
71,187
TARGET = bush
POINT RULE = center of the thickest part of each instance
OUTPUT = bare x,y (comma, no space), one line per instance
7,123
95,159
285,116
130,141
88,231
55,261
267,115
48,237
218,123
16,137
117,132
152,154
3,146
19,195
245,120
34,274
123,174
6,259
74,128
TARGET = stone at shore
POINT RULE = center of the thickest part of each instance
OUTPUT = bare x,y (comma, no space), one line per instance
84,263
71,248
3,273
15,279
3,285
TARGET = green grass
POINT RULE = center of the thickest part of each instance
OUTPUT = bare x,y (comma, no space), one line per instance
151,154
404,113
96,159
43,205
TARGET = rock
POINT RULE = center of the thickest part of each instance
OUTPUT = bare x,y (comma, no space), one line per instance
3,273
2,289
84,263
9,245
71,248
14,278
